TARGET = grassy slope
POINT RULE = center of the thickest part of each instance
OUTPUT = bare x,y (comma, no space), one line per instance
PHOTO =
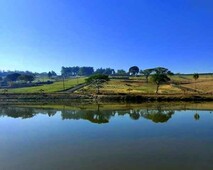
135,85
132,87
55,87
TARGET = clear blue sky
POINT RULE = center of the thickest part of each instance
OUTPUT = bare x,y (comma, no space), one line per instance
43,35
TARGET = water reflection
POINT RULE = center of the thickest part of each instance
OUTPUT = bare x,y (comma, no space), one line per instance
95,115
128,139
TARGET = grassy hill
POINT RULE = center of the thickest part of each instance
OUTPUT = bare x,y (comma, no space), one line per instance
134,85
49,88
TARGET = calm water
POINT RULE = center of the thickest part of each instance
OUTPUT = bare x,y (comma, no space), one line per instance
112,137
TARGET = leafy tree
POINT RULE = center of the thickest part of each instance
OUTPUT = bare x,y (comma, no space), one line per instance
53,73
134,70
49,74
170,73
195,76
160,78
26,78
86,71
13,77
29,78
161,70
97,81
121,72
146,73
107,71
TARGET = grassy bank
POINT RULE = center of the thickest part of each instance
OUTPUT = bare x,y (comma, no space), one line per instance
49,88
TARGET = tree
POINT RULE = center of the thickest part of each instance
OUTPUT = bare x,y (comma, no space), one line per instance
86,71
26,78
13,77
29,78
195,76
49,74
134,70
170,73
159,78
146,73
106,71
121,72
161,70
97,81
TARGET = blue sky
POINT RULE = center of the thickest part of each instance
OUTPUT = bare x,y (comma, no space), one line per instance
43,35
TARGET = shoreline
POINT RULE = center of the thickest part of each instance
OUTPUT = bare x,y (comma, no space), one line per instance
60,97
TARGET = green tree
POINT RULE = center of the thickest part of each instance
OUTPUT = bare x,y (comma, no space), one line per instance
49,75
97,81
161,70
13,77
26,78
195,76
160,78
121,72
134,70
146,73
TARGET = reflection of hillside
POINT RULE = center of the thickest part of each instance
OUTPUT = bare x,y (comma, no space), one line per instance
95,116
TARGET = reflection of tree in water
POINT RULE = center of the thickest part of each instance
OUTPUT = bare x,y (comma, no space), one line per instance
196,116
158,116
94,116
24,112
97,115
134,114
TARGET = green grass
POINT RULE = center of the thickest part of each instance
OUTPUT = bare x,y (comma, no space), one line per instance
132,87
50,88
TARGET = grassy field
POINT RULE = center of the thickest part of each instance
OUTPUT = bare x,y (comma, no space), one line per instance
50,88
138,85
133,85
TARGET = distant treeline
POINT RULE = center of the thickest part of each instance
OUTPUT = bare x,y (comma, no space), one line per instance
5,73
85,71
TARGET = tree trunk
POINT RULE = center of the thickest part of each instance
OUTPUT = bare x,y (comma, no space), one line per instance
147,79
157,88
98,91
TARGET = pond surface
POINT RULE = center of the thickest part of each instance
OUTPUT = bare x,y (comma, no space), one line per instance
106,137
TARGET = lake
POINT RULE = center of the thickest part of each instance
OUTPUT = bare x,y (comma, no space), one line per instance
107,137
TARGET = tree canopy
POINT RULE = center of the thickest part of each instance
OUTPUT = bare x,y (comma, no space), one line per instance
160,78
134,70
147,73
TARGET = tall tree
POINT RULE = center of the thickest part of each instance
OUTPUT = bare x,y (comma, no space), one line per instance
161,70
49,75
13,77
160,78
134,70
121,72
97,81
26,78
146,73
195,76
